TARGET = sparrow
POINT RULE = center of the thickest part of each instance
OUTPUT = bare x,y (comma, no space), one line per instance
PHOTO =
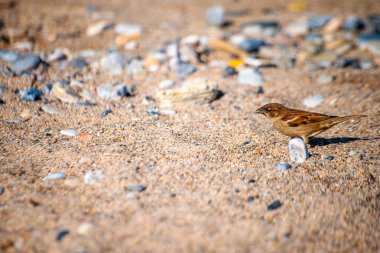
297,123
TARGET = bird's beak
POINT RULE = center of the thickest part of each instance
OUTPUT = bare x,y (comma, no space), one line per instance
259,111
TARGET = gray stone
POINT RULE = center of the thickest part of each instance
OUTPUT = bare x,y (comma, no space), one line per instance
114,63
216,16
93,177
185,68
3,89
249,76
51,109
9,56
25,63
325,78
2,190
30,94
135,67
313,101
251,45
137,188
78,63
166,84
115,91
282,166
298,150
128,29
55,176
69,132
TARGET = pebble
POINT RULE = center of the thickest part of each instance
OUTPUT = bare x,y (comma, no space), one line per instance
252,45
62,234
85,228
313,101
353,23
137,188
114,63
115,91
329,158
282,166
167,111
153,110
93,177
135,67
105,113
352,153
30,94
297,29
366,64
2,102
325,78
318,22
147,100
185,68
98,27
131,45
9,56
228,71
6,72
78,63
65,93
216,16
257,28
250,199
2,190
166,84
50,109
57,55
274,205
55,176
69,132
249,76
23,45
3,89
298,151
25,63
128,29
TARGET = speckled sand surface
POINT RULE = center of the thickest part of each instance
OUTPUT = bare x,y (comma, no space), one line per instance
199,165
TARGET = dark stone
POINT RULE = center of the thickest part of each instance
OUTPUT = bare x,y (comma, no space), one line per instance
105,113
251,181
353,23
274,205
228,71
2,101
2,190
30,94
62,234
250,199
252,45
329,158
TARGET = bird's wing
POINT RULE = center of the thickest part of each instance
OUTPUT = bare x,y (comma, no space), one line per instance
296,118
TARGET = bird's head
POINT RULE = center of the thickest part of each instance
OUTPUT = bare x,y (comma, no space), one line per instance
271,110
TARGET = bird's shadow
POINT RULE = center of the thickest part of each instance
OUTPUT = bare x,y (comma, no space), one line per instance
324,142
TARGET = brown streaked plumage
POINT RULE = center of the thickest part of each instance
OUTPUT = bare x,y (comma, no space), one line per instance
297,123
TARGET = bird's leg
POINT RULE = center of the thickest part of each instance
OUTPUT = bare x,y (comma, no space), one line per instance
305,139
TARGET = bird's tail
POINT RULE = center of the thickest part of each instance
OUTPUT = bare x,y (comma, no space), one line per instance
345,118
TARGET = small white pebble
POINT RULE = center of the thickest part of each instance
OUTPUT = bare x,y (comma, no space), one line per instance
69,132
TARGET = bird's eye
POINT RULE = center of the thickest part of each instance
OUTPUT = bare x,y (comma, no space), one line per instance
269,109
